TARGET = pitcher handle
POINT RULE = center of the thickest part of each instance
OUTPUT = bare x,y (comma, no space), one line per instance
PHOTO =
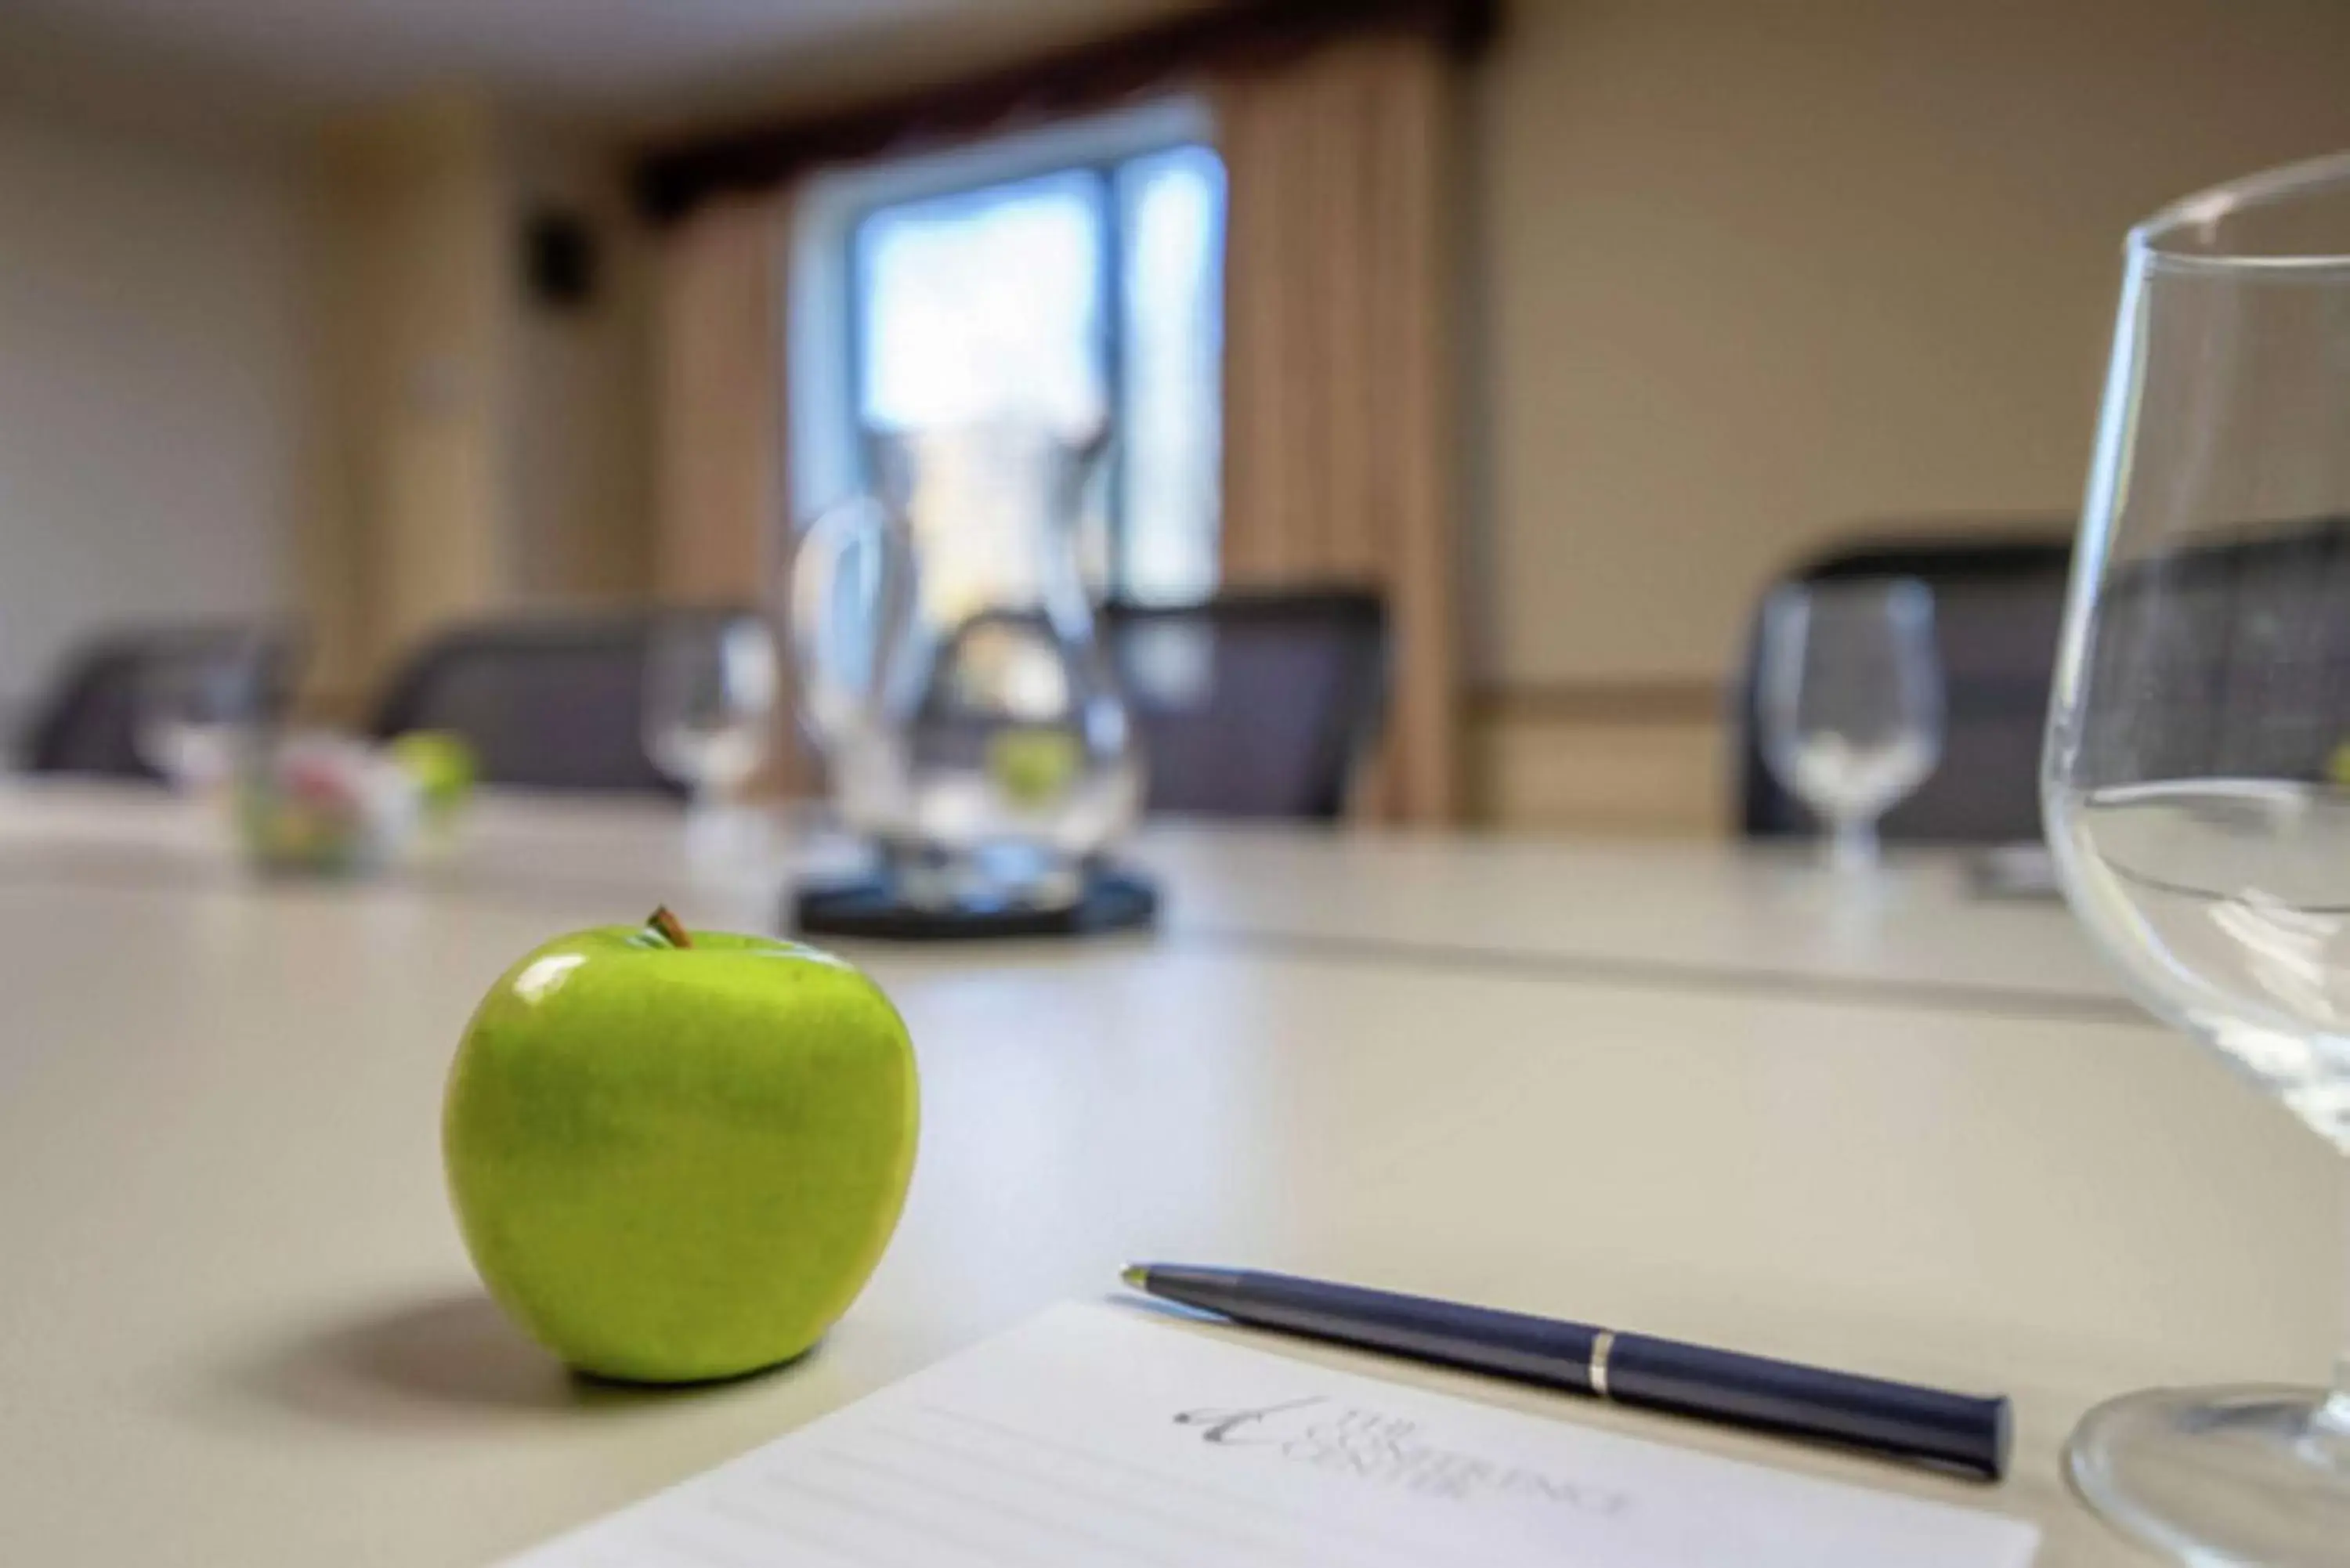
853,597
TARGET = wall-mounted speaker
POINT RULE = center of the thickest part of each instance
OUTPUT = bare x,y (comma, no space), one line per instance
559,259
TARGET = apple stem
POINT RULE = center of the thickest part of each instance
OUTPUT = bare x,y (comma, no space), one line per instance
672,929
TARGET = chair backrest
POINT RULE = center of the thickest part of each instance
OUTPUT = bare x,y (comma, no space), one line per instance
1998,611
88,721
1253,705
2234,651
545,704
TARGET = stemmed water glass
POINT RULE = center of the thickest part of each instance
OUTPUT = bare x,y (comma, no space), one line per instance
711,686
2195,777
194,707
1850,692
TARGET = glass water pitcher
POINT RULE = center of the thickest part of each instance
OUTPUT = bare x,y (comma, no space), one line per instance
950,673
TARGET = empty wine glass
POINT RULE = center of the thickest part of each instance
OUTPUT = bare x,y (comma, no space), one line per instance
711,686
2195,777
1851,698
196,708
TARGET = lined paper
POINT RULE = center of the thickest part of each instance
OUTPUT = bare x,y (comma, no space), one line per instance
1095,1436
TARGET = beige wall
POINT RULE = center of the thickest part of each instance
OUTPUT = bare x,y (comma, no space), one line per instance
1752,271
582,439
251,369
412,527
486,453
153,386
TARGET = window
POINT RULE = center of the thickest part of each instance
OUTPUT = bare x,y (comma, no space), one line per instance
1088,290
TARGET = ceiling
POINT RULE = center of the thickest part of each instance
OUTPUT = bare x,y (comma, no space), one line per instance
647,61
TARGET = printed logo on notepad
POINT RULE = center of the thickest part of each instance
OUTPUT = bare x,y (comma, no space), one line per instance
1387,1450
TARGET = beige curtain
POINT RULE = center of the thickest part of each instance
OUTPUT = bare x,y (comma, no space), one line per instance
720,523
1338,445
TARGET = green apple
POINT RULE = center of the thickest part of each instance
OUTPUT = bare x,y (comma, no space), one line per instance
676,1158
441,766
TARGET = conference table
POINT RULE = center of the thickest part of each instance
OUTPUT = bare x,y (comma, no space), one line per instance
1887,1124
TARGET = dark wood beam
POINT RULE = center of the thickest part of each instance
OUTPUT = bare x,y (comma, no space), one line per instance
1078,79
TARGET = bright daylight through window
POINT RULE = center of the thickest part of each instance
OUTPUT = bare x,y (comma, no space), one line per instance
1070,297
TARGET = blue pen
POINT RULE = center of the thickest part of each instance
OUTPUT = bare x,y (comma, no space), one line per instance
1898,1420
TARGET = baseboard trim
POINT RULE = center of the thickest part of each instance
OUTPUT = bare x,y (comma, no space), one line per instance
1612,702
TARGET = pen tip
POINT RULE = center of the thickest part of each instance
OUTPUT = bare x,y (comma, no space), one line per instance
1136,1276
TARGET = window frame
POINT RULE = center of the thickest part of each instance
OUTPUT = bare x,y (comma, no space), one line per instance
1109,282
826,307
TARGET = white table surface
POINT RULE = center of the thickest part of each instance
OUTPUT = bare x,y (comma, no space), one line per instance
1675,913
1678,915
236,1325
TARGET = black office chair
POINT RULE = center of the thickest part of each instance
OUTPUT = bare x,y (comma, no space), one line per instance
87,723
545,704
2235,652
1253,705
1998,611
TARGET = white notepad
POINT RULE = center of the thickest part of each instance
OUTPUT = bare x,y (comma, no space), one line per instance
1097,1437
